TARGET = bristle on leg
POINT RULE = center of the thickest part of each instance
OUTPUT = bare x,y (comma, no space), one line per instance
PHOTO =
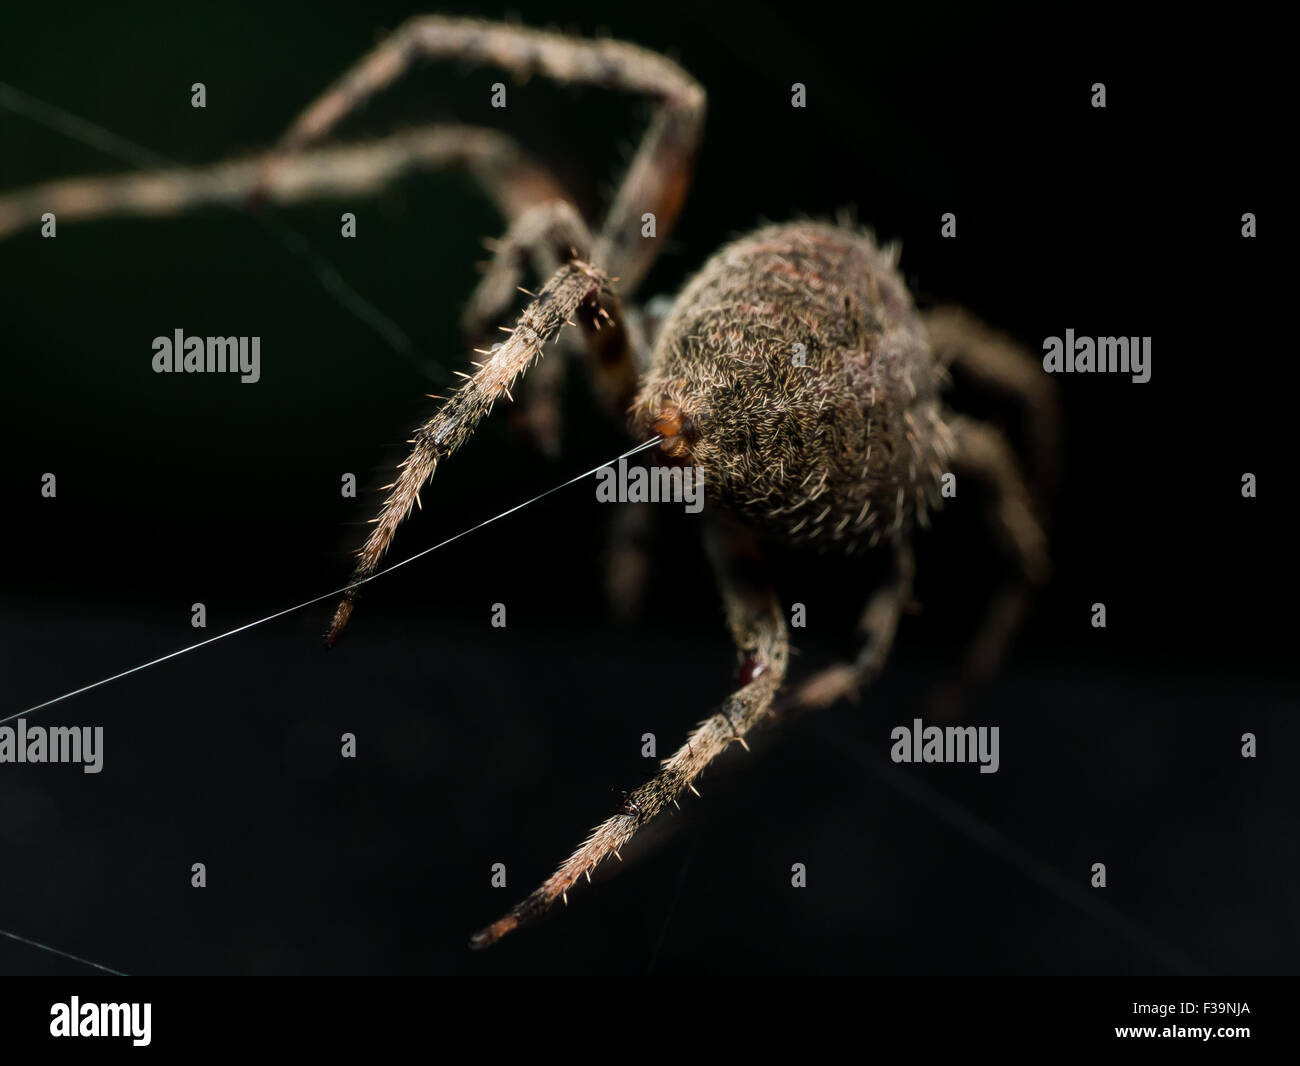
575,286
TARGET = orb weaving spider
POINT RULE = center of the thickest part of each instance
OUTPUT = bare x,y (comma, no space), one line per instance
793,371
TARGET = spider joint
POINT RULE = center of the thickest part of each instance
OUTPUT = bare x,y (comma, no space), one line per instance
629,808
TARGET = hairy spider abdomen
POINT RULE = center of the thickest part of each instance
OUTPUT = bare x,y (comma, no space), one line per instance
794,371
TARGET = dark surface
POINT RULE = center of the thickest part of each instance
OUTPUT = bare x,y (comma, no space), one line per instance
481,745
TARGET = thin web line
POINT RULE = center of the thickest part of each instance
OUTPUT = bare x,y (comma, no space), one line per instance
328,595
80,129
986,836
61,953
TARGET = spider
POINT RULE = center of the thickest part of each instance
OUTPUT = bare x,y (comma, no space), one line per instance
794,371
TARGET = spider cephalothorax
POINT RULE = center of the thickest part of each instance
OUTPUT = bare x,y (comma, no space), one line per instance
793,370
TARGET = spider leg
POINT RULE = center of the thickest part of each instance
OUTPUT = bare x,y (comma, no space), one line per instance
981,451
539,415
758,627
549,234
545,234
995,360
879,622
510,177
656,183
576,289
627,564
658,178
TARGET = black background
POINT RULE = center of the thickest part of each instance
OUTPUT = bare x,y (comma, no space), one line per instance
481,745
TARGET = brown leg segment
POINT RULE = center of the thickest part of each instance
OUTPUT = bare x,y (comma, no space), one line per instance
982,452
656,184
995,360
627,565
660,173
758,628
548,234
545,235
508,175
880,624
576,289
